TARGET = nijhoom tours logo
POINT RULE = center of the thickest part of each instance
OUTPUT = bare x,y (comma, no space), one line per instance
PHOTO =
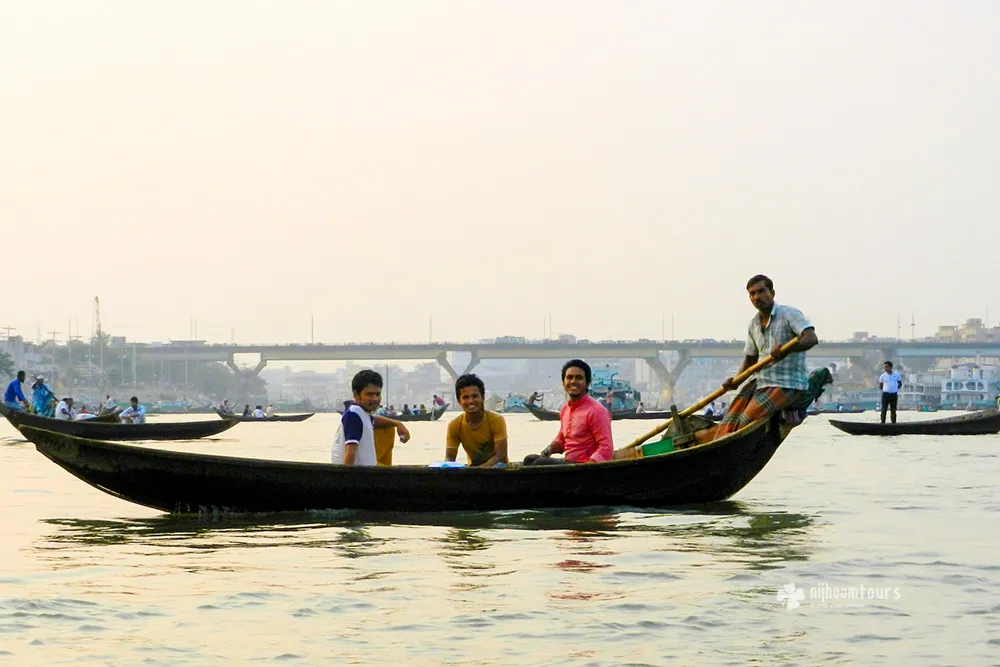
825,595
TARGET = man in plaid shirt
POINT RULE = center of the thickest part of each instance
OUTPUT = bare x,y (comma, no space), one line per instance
781,384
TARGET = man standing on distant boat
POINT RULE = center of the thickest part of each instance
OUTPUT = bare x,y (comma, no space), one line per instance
780,385
481,433
14,398
584,424
890,383
355,441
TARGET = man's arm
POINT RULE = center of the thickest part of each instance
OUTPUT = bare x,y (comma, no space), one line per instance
558,443
350,451
601,427
807,340
452,441
379,421
748,361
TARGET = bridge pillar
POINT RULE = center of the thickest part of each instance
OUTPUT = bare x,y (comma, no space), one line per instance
669,376
245,377
473,362
442,359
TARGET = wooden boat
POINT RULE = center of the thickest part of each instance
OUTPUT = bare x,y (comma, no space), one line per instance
978,423
275,418
553,415
118,431
184,482
423,417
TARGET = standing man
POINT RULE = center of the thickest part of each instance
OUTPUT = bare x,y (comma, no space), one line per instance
780,385
481,433
890,383
355,441
134,413
584,424
14,398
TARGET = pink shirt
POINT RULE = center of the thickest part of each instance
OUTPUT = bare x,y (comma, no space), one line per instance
584,431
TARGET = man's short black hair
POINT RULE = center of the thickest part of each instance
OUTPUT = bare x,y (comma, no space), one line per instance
760,277
134,398
577,363
469,380
889,364
364,378
21,375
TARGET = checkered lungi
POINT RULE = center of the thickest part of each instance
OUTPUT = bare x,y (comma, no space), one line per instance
752,404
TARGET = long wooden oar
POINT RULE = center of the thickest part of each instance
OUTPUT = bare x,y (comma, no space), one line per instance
721,391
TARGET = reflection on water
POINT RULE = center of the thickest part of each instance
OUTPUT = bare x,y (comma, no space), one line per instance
726,531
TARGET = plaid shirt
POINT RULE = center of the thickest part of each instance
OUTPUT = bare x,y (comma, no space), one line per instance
785,323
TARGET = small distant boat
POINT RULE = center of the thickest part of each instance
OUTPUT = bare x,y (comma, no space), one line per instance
275,418
553,415
432,416
87,428
977,423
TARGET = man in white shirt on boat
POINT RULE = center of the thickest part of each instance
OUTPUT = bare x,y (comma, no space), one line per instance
258,413
65,409
134,413
890,383
269,412
355,441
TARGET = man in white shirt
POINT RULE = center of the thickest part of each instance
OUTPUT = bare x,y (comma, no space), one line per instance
258,413
269,412
109,404
65,409
134,413
890,383
354,444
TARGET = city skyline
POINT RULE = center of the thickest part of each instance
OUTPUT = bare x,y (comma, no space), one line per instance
371,165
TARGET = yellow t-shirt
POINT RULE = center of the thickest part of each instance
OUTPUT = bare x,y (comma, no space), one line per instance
478,441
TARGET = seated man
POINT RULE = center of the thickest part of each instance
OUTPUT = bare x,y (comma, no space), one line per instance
482,434
258,412
14,398
65,409
584,424
270,410
355,440
134,413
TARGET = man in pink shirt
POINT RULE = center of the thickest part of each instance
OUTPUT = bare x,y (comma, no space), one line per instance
584,424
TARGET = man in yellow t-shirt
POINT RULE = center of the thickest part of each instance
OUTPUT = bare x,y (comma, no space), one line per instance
482,434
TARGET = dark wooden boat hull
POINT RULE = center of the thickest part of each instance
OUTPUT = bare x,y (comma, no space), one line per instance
276,418
553,415
979,423
105,431
187,482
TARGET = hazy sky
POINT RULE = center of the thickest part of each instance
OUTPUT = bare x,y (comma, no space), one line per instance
374,163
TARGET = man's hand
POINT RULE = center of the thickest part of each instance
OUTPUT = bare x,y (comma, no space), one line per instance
729,384
777,353
404,434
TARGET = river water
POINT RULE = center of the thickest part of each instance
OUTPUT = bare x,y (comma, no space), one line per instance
882,552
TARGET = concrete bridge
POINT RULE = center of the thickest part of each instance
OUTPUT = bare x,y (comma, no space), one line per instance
868,355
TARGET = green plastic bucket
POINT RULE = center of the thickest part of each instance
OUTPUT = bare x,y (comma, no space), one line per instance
664,446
